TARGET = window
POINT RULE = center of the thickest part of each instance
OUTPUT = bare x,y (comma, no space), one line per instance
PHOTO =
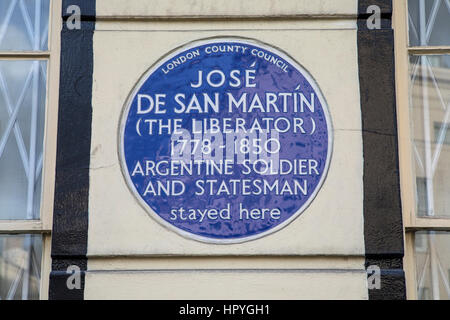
20,265
432,264
422,32
29,63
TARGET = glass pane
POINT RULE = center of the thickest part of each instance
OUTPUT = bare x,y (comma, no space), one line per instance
20,266
24,25
432,252
430,116
22,112
429,22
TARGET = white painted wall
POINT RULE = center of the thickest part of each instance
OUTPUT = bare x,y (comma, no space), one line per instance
140,250
220,8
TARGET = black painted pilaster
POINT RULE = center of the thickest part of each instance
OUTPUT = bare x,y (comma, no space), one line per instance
70,214
383,229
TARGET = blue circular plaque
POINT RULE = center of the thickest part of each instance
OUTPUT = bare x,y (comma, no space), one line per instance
225,140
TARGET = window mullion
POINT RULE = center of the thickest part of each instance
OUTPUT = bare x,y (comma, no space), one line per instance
436,224
24,55
22,226
429,50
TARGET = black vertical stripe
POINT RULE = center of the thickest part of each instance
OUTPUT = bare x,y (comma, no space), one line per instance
70,214
383,229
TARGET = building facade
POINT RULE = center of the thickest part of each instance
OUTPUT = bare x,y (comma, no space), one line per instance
224,149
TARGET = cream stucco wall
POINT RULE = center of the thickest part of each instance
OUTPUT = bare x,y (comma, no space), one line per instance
333,222
225,8
319,255
224,285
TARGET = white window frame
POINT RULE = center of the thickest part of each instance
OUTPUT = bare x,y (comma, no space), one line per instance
411,222
43,225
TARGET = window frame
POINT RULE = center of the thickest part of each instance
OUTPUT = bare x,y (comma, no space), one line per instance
411,222
43,225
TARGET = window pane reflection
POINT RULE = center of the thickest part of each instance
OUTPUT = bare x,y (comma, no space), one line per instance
430,116
20,266
429,22
432,265
22,95
24,25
